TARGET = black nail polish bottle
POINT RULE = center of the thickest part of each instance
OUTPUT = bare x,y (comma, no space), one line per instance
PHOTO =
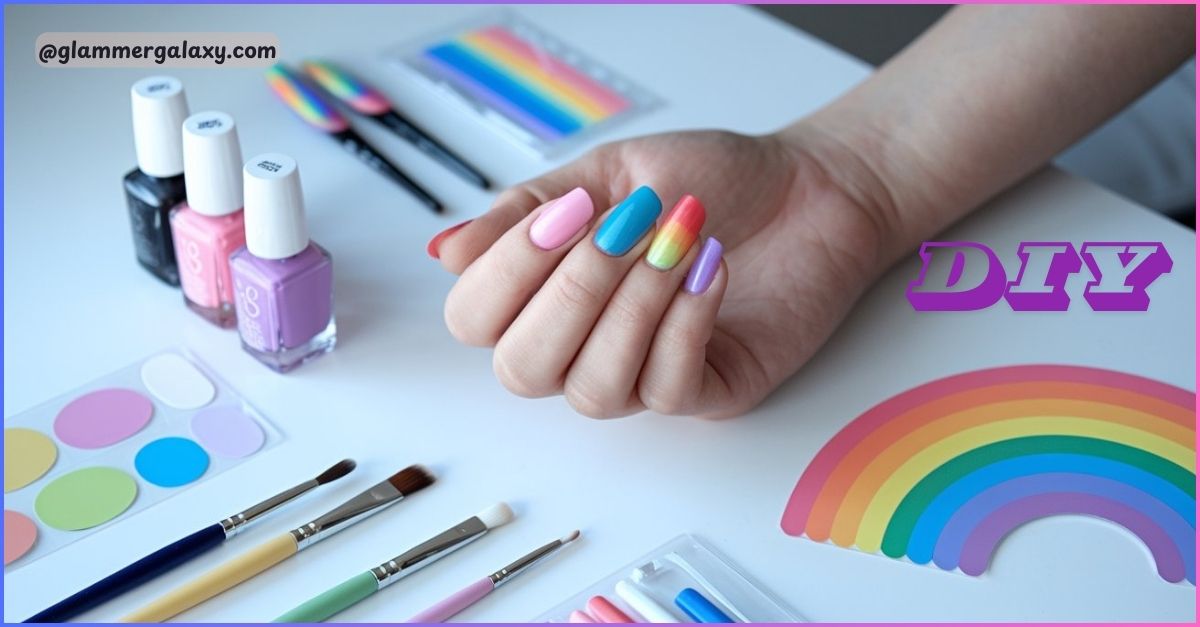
156,185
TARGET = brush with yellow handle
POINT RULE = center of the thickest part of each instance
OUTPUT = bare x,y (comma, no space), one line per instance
270,553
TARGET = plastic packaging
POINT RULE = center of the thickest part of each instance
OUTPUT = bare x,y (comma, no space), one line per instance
683,563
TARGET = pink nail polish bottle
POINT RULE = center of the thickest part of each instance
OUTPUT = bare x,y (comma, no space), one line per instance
209,227
283,281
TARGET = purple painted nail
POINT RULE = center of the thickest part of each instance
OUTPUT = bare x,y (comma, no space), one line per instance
704,269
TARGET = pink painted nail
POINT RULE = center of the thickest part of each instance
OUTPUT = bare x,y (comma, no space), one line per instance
561,220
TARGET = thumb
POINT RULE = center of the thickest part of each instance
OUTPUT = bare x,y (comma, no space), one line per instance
460,245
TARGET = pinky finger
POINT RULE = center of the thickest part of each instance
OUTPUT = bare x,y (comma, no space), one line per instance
677,378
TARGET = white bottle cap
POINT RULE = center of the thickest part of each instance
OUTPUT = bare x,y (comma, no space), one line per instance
275,224
212,163
159,107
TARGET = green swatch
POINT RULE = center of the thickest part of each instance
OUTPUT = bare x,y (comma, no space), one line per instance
85,498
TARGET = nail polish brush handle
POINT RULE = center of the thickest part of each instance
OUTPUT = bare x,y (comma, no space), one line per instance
425,143
334,600
455,603
357,146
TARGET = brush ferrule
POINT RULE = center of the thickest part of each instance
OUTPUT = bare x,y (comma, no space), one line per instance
348,513
537,555
239,521
429,551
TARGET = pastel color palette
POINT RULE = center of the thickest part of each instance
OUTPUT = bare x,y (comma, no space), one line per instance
679,231
102,418
227,431
177,381
943,472
85,498
20,533
304,100
539,91
346,88
171,462
28,454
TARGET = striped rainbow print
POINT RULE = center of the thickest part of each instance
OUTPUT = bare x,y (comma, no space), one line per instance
548,97
304,100
943,472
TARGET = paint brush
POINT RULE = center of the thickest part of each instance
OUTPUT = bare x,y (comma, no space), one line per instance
367,101
363,585
371,501
472,594
181,551
306,103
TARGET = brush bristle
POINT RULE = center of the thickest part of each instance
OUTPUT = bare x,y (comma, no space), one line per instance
496,515
411,479
570,537
336,471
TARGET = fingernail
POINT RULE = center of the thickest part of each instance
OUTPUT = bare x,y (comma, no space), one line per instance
704,269
627,223
679,231
436,242
561,220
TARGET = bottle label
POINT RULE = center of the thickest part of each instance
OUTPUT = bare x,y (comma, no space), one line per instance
251,301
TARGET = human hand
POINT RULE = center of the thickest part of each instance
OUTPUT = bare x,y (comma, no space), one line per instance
801,229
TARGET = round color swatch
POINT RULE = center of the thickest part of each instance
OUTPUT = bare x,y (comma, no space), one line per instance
101,418
85,498
227,431
19,535
28,454
171,462
177,381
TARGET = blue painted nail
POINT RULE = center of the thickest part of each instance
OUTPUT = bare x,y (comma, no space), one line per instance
627,223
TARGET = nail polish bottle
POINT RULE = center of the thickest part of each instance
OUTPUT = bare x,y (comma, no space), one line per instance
155,186
209,227
283,281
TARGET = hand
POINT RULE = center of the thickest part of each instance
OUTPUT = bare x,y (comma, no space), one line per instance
614,334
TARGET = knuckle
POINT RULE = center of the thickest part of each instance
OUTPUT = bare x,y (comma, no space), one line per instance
516,376
628,312
661,399
464,322
679,335
575,294
584,400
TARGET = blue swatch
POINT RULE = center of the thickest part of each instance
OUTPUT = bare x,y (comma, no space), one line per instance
699,608
171,462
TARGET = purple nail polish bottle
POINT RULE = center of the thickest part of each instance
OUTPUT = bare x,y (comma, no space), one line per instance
283,282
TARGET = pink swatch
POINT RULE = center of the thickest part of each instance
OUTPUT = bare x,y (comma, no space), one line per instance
19,535
227,431
102,418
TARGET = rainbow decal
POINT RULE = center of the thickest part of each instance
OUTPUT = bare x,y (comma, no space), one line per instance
677,234
304,100
542,93
943,472
348,89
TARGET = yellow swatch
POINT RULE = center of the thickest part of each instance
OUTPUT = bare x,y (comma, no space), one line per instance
27,456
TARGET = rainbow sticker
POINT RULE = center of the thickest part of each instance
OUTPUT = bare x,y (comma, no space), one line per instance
357,95
943,472
304,101
536,89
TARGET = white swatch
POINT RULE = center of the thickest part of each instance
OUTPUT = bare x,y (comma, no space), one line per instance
177,382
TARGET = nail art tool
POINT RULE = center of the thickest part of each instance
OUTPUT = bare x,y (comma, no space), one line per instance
371,501
312,108
643,604
367,101
699,608
181,551
468,596
363,585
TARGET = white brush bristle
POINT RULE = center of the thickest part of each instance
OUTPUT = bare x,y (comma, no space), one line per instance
496,515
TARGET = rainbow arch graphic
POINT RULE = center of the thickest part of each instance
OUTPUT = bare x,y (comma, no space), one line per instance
943,472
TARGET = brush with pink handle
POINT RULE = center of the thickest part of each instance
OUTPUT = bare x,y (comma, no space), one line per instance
442,610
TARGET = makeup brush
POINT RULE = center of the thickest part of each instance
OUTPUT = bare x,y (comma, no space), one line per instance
373,500
367,101
180,552
305,102
363,585
472,594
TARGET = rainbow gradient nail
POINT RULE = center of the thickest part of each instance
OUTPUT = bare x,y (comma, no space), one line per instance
354,93
304,101
679,231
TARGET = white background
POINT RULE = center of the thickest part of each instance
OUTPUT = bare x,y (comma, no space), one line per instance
398,390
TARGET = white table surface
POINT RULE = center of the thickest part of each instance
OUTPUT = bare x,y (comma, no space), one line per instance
399,390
